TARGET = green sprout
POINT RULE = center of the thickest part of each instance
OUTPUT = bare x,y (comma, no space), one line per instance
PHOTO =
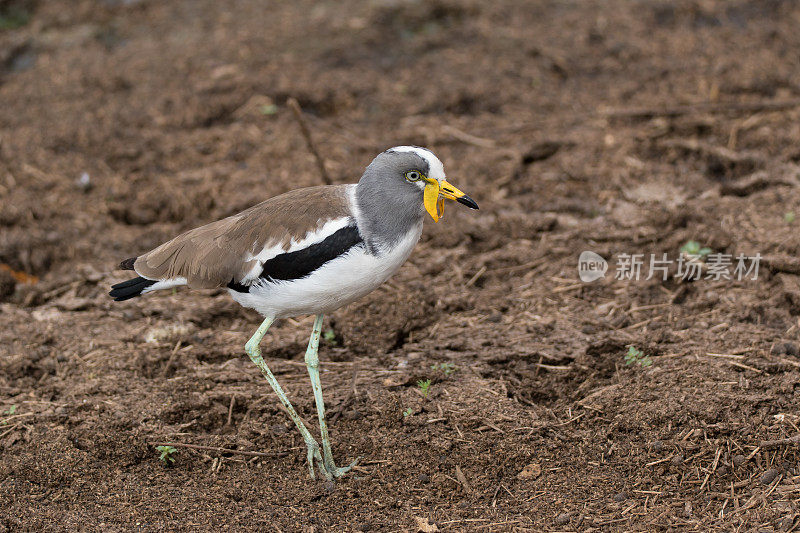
10,411
166,454
329,336
268,109
13,17
424,386
789,217
408,412
636,356
447,368
694,248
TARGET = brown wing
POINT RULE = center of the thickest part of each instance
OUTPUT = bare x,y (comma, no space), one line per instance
217,253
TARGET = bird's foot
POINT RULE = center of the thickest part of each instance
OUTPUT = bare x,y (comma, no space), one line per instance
326,466
336,471
315,455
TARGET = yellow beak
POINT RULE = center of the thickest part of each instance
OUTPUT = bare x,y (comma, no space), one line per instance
435,194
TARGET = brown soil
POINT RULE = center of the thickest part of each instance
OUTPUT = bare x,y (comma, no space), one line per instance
614,126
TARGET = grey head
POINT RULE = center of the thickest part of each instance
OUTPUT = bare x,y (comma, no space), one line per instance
396,190
390,193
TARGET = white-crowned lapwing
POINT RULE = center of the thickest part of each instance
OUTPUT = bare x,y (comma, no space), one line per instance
308,251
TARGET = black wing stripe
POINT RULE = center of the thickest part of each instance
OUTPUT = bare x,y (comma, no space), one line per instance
301,263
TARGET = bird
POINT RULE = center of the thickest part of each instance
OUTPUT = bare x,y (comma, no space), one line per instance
308,251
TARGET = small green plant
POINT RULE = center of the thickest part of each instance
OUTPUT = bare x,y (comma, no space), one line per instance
789,217
329,336
8,412
13,17
166,454
424,386
408,412
695,249
268,109
637,357
447,368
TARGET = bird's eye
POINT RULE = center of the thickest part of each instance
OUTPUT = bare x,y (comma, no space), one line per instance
413,175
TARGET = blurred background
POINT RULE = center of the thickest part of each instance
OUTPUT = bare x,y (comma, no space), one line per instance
618,127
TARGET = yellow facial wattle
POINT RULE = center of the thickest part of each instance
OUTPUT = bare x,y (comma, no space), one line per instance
437,192
432,200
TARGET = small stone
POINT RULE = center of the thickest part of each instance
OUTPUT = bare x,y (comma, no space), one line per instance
84,182
738,459
396,380
769,476
620,497
7,284
531,471
71,303
131,314
657,446
169,333
48,314
677,459
352,415
424,525
563,519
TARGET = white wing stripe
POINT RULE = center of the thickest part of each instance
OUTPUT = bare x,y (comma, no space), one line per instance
310,238
165,284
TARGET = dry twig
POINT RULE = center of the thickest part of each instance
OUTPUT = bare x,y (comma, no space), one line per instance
298,115
780,442
701,107
219,450
230,409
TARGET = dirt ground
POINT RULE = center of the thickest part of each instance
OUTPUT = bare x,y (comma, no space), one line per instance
620,127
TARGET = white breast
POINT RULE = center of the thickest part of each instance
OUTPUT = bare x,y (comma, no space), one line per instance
336,283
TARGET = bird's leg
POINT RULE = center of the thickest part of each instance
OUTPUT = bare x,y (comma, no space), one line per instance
312,362
253,350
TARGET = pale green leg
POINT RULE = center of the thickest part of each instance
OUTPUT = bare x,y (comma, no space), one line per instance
312,362
254,352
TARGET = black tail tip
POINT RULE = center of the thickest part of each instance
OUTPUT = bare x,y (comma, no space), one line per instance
131,288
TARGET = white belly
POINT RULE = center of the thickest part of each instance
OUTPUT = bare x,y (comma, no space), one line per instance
336,283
